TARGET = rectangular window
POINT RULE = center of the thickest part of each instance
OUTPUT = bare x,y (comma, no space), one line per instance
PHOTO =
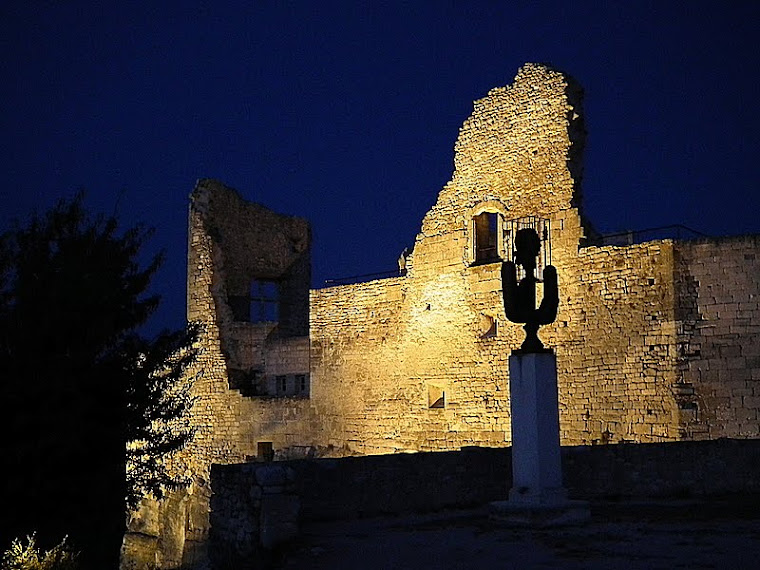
542,227
486,242
302,384
265,451
264,301
282,384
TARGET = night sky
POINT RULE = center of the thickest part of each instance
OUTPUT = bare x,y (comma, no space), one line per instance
347,112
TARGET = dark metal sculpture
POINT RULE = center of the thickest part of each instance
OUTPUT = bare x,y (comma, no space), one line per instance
520,298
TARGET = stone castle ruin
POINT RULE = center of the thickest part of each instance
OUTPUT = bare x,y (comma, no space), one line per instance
655,341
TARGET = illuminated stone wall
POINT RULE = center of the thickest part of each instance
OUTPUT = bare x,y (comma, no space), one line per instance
230,243
381,353
658,341
380,348
719,337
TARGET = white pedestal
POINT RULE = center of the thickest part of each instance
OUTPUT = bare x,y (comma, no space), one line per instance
537,496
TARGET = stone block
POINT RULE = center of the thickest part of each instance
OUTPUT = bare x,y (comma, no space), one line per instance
139,552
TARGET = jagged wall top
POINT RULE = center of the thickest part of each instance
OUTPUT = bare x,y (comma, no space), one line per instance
521,147
255,240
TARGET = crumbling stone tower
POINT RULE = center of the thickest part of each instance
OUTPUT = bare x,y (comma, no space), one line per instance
257,266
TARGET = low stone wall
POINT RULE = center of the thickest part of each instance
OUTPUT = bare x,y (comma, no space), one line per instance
256,506
679,469
354,487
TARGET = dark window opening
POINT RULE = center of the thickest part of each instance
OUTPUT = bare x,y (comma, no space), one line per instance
261,305
302,384
486,234
264,301
282,384
265,451
247,382
254,380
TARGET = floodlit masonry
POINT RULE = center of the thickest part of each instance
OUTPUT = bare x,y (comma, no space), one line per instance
655,341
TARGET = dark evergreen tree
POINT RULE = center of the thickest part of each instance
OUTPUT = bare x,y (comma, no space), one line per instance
158,405
78,382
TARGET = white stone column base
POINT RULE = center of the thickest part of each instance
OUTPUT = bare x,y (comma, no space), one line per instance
537,497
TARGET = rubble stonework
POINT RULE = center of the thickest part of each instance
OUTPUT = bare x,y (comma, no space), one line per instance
655,342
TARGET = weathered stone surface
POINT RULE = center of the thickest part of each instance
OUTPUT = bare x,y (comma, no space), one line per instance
279,519
171,542
423,482
145,519
718,337
139,552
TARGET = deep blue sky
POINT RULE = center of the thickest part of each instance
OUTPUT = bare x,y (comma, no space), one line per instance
347,112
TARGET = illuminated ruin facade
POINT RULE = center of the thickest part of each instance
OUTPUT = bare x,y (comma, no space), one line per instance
656,341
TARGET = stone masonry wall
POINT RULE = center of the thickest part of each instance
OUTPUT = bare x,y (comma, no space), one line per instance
719,337
655,342
354,487
380,349
616,350
229,424
253,509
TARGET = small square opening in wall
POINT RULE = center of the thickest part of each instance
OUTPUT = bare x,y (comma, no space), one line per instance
436,397
265,451
689,411
488,326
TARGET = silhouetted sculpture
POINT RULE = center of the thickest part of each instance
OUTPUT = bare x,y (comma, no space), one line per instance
537,496
520,298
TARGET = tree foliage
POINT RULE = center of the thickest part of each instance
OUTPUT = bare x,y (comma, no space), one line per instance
158,403
28,556
78,381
